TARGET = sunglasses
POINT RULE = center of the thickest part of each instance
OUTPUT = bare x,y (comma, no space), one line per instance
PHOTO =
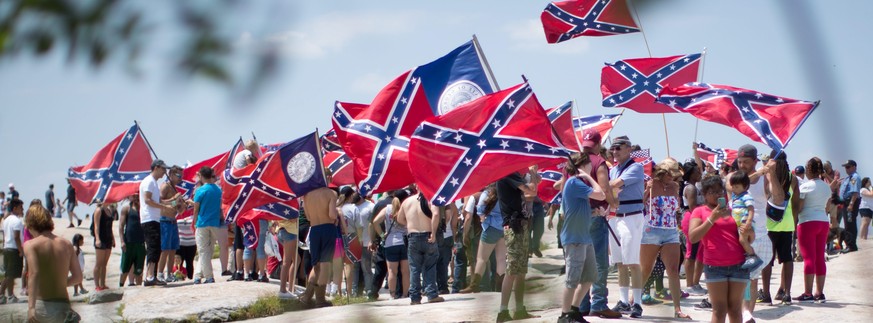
616,148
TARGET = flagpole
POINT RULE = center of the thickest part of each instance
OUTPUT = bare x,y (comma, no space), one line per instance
666,136
642,30
700,79
146,139
575,135
485,62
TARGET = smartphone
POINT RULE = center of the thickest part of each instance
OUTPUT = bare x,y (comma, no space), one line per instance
721,202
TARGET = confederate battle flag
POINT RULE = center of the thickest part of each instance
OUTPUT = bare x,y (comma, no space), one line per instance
565,20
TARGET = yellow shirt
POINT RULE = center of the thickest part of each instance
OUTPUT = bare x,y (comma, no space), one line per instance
289,225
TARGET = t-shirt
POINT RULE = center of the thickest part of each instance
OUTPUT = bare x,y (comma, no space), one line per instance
509,196
740,205
577,216
634,186
71,194
365,214
350,214
49,199
815,195
721,244
241,159
149,213
394,237
209,197
11,224
866,202
493,219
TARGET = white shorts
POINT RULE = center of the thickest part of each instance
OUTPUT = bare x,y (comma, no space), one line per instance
629,231
763,249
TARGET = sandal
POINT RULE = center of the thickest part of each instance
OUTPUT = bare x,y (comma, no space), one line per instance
680,315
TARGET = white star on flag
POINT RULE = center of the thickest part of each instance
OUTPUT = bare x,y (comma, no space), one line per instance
454,181
504,144
529,147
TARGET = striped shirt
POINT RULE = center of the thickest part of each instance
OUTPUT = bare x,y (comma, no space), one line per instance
186,234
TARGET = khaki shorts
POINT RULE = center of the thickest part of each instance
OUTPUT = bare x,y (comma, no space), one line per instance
517,248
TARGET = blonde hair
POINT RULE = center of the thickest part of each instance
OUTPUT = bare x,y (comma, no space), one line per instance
38,219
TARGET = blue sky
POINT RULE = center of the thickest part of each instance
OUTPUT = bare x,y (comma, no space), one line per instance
54,115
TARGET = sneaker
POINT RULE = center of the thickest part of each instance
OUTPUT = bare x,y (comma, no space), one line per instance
12,299
75,294
780,294
209,281
636,311
752,261
2,299
150,282
70,226
83,291
669,297
161,276
786,299
820,298
160,282
606,314
437,299
763,298
226,273
171,278
415,303
197,281
503,316
704,305
264,279
805,298
571,318
79,223
622,307
287,295
538,253
649,300
700,290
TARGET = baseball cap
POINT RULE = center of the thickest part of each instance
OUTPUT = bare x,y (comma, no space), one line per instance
846,164
590,138
159,163
748,151
11,185
799,170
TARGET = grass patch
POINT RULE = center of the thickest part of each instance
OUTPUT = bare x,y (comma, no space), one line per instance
216,251
544,245
120,310
339,301
264,307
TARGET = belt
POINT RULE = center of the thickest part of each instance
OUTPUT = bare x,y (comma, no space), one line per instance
418,233
621,215
628,202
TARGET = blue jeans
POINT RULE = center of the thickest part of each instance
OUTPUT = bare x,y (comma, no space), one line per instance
442,270
423,258
460,278
259,249
596,300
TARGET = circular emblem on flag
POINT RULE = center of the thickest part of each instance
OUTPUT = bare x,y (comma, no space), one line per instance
459,93
301,167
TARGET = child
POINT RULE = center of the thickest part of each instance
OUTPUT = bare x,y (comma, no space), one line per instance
178,270
78,241
743,208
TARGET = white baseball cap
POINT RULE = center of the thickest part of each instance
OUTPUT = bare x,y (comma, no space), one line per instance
11,185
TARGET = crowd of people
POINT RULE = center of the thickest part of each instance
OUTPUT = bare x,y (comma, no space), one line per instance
728,223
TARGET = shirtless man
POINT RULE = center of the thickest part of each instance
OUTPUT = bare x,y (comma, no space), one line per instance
423,251
169,227
320,208
49,259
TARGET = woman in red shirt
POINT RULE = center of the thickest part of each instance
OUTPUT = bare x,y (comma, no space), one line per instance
712,224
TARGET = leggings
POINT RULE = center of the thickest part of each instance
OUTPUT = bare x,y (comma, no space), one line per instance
812,238
656,278
187,253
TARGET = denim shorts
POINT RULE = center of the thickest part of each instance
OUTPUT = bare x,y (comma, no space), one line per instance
660,236
733,274
169,235
396,253
284,236
491,235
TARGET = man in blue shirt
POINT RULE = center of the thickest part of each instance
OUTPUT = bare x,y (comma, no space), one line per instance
850,188
207,222
627,177
581,266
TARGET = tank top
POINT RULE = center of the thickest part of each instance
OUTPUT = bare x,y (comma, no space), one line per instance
596,161
133,232
760,196
662,212
395,237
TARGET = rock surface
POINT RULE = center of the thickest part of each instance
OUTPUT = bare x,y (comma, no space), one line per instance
204,302
106,296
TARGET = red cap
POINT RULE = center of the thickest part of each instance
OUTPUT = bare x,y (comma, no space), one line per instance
590,138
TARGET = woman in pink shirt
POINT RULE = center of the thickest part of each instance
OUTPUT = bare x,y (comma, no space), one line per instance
712,225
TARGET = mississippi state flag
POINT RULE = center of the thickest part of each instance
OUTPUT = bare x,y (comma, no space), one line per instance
565,20
635,83
115,172
458,153
340,167
281,175
603,124
765,118
716,156
546,189
561,118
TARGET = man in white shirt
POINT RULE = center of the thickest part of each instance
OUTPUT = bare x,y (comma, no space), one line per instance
150,218
13,251
248,156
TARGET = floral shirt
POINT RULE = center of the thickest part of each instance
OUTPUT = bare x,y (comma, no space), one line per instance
662,212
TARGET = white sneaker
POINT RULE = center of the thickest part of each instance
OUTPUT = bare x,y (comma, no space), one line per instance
287,295
161,277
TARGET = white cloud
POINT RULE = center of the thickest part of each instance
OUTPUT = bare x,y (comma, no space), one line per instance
529,36
331,32
370,83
